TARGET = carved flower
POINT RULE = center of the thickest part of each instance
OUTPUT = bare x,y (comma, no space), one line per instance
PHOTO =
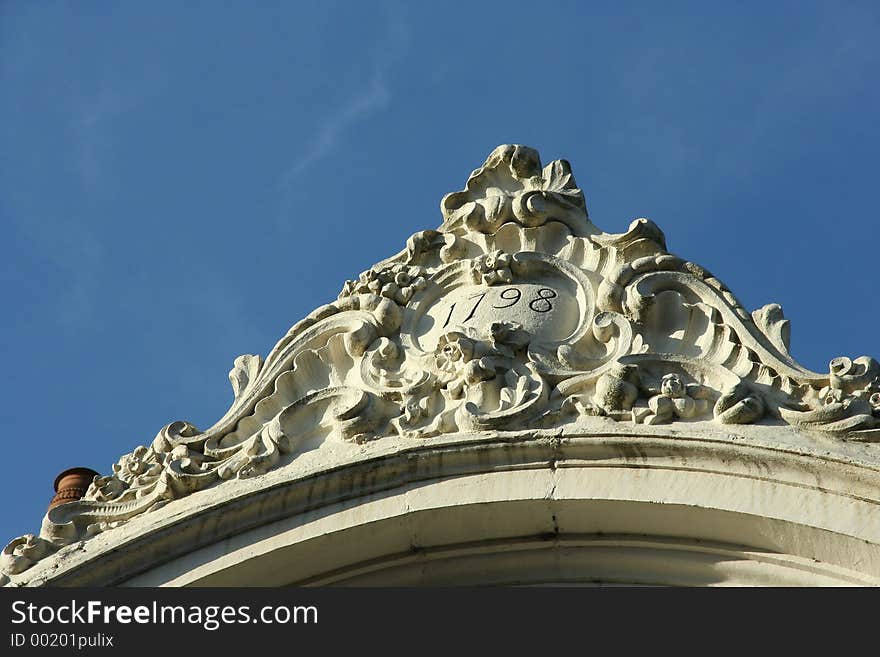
131,465
140,467
395,282
456,359
492,268
454,349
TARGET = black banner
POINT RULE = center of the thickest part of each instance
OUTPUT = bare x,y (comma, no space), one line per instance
164,621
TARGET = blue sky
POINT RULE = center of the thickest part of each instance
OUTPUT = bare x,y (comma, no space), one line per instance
181,182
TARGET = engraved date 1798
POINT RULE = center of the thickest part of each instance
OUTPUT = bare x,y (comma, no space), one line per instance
508,298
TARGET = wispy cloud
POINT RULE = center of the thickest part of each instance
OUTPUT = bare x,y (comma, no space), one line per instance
94,133
375,96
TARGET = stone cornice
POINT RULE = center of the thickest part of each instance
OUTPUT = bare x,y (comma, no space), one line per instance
318,485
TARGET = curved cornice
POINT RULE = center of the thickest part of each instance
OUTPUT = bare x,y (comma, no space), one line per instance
753,473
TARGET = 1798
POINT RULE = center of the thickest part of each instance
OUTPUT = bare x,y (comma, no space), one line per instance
507,298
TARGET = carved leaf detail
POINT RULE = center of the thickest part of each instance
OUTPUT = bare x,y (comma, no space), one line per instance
244,371
558,177
770,320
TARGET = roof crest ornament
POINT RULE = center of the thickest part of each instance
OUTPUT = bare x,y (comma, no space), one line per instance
516,313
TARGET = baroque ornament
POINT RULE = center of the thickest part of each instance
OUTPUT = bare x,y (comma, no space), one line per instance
516,313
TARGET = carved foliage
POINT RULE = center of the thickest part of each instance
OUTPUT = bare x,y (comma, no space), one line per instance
512,187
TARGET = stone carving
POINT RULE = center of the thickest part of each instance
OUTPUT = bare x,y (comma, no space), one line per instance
739,405
617,390
674,400
516,313
492,268
512,187
848,406
396,282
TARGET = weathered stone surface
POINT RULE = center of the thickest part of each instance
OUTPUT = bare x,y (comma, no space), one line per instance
517,317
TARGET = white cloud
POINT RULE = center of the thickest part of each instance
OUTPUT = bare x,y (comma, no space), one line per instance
329,134
376,96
